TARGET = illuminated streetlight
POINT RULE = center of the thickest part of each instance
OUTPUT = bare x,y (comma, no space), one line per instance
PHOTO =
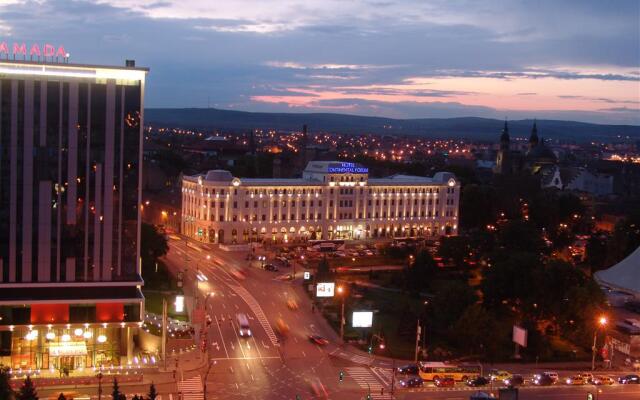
602,322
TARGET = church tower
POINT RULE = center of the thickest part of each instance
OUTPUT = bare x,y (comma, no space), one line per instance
533,139
503,161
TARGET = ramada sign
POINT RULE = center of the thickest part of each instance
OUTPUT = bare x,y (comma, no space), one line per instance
47,50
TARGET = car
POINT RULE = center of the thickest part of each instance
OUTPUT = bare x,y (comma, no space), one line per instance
445,382
629,379
411,381
499,375
270,267
587,376
552,375
292,304
477,381
515,380
409,369
243,325
282,327
319,340
602,380
543,380
575,380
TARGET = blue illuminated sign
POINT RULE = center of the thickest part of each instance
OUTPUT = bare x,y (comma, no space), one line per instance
347,168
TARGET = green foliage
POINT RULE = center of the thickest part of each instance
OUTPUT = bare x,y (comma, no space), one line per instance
152,392
153,246
6,392
421,272
455,248
625,238
596,251
324,272
28,390
476,331
511,280
477,206
519,235
115,392
450,300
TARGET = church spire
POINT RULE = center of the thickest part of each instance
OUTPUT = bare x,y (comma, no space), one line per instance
533,139
504,138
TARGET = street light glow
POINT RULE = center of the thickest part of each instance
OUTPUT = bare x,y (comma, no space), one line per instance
602,321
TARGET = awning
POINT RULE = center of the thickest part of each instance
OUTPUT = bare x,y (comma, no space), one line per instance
68,349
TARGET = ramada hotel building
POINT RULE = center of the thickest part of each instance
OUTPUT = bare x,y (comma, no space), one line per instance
70,173
333,200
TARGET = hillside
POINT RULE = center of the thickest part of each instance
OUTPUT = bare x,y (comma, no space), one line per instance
467,127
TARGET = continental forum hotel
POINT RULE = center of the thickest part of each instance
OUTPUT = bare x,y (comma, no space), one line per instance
333,200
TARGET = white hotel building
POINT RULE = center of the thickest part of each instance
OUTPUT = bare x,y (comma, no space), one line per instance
332,200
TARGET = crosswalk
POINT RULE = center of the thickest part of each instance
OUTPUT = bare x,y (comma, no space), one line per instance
384,374
257,310
191,389
365,378
358,359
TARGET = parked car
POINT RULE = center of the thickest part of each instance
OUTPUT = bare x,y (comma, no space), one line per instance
445,382
629,379
515,380
603,380
575,380
552,375
543,380
411,381
477,381
588,377
409,369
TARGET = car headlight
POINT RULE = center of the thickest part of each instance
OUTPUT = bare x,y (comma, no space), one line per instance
249,332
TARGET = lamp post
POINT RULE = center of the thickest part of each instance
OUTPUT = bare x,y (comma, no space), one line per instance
602,322
341,293
99,376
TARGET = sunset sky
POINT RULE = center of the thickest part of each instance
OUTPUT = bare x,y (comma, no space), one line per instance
575,60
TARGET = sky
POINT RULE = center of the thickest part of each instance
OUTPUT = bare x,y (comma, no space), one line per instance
569,59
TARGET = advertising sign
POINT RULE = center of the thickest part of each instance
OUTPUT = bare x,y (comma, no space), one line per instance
179,304
362,319
307,275
520,336
325,289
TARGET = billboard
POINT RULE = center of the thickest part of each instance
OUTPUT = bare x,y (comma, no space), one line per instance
325,289
307,275
179,304
362,319
520,336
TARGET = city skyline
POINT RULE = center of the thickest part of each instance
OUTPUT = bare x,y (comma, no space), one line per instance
575,60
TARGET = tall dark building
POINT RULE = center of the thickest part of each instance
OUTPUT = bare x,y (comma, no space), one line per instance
70,175
503,161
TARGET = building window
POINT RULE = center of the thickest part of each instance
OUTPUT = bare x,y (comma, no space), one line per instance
235,218
310,203
319,203
319,216
304,203
293,216
255,204
284,217
275,217
330,215
235,204
221,218
222,204
264,217
330,203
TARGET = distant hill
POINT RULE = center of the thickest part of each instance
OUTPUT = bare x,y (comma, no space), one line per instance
466,127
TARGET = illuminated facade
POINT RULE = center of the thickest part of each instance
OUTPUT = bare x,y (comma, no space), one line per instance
70,173
333,200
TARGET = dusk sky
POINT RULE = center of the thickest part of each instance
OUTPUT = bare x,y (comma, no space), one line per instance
575,60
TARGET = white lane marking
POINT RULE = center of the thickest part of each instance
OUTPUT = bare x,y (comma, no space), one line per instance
222,337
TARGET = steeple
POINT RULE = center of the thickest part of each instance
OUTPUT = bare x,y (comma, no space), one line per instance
533,139
504,138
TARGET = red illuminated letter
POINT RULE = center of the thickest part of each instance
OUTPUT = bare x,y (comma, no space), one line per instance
3,48
61,52
19,49
49,50
35,50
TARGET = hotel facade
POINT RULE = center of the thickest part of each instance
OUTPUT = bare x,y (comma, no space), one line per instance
70,173
332,201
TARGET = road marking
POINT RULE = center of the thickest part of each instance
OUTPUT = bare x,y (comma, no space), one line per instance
265,346
304,354
257,310
222,337
366,380
245,358
191,388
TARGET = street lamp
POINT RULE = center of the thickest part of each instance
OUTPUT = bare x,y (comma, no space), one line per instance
602,322
341,293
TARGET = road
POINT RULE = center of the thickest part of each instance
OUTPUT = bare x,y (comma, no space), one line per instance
269,365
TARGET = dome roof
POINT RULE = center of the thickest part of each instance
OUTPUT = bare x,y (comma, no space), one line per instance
219,175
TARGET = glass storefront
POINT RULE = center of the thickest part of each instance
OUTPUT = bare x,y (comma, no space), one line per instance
66,349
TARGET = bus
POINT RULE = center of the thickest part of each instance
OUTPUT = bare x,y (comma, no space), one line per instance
430,371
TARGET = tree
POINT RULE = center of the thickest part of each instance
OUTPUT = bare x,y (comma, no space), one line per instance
625,238
153,244
454,297
6,392
28,390
323,273
521,236
152,392
476,331
115,393
62,397
421,272
596,251
454,248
